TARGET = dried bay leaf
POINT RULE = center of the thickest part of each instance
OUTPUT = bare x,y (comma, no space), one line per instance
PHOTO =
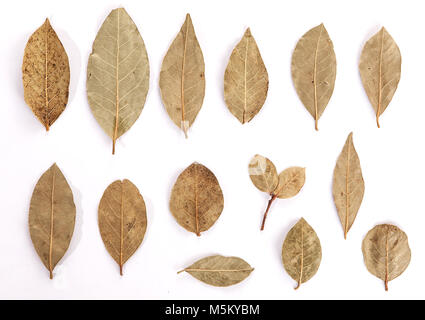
122,220
348,185
386,252
45,75
51,217
314,70
246,81
117,75
380,70
196,200
264,176
220,271
301,252
182,77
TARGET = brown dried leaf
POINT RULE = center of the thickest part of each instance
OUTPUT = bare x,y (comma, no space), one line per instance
196,199
220,271
51,217
348,185
263,174
386,252
380,70
314,70
246,81
45,75
182,77
117,75
301,252
291,181
122,220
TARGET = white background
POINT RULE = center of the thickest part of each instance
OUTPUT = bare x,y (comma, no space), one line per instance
154,151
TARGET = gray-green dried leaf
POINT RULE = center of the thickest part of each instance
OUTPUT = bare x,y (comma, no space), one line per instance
263,174
380,70
301,252
182,77
122,220
196,200
348,185
246,81
314,70
45,75
117,75
386,252
220,271
51,217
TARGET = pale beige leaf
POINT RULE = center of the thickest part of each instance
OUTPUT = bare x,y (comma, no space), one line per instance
51,217
122,220
246,81
348,185
220,271
45,75
117,75
380,70
291,181
301,252
314,70
182,77
263,174
196,199
386,252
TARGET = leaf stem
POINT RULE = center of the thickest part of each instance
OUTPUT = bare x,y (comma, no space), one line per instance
273,198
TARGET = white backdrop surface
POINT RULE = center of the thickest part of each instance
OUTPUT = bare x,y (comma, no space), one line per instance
154,151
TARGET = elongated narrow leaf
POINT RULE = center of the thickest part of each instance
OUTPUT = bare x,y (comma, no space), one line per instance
51,217
182,77
380,70
220,271
263,174
246,81
314,70
122,220
301,252
117,75
386,252
291,181
45,74
348,185
196,199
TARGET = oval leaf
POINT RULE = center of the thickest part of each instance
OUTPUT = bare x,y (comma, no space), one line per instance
196,199
246,81
314,70
122,220
45,75
386,252
301,252
291,181
380,70
51,217
220,271
182,77
263,174
348,185
117,75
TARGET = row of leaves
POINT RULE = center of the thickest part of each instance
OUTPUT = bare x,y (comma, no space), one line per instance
196,203
118,75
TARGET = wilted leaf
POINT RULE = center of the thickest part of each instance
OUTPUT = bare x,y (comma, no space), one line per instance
51,217
196,199
263,174
291,181
314,70
117,75
348,185
45,74
380,69
386,252
246,81
182,77
220,271
122,220
301,252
